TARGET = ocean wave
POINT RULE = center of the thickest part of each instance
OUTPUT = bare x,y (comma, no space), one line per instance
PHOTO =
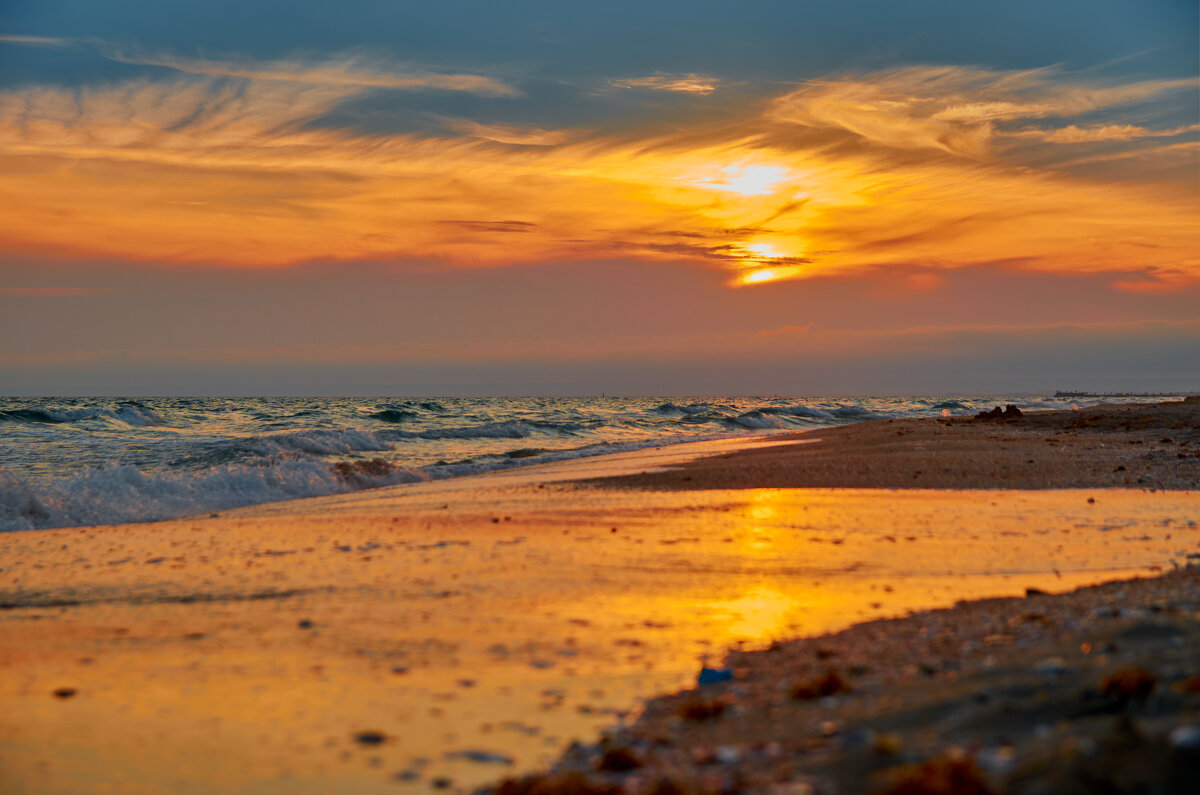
252,450
315,442
806,412
394,415
855,412
670,409
755,420
508,429
122,494
335,443
129,413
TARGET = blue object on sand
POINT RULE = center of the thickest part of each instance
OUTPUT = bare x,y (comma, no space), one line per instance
710,676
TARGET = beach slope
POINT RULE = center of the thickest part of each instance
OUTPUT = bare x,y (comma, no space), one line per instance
1113,446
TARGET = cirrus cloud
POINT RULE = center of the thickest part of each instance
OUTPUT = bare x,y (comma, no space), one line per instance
842,175
689,83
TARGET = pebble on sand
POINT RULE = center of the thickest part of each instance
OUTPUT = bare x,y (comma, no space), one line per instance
370,737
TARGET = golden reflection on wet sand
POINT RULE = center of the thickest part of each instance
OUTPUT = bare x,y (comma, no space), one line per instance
242,653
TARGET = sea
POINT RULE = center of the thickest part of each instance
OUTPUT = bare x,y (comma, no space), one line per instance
87,461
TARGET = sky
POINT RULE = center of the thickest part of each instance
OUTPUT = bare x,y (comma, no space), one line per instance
757,197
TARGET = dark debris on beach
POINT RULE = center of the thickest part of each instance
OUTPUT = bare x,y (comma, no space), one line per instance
1096,691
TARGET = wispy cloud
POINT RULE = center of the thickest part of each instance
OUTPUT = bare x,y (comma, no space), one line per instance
837,176
954,109
679,83
36,41
355,72
1074,134
505,134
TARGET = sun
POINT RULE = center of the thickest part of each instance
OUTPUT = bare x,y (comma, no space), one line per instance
762,275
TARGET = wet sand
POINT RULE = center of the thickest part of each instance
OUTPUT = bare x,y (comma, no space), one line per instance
1096,691
447,634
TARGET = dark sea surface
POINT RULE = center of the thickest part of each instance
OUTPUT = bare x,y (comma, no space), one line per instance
84,461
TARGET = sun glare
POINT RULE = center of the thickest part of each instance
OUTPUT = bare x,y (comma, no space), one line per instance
762,275
763,250
749,180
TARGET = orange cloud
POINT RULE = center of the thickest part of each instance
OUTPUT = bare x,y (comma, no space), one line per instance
239,171
355,72
1073,134
682,84
954,109
505,134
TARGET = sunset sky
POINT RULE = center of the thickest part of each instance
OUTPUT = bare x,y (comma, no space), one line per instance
653,197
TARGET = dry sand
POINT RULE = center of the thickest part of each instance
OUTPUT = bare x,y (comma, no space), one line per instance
1119,446
443,635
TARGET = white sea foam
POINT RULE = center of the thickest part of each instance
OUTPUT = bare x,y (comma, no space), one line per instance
122,493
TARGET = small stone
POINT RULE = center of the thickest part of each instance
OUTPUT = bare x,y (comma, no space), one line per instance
65,692
1132,683
830,684
1051,666
712,676
888,744
482,757
618,759
727,755
304,624
370,737
996,760
857,739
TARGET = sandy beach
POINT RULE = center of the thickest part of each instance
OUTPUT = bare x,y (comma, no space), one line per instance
446,635
1111,446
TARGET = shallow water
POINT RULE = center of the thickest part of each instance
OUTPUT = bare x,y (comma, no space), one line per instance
487,614
83,461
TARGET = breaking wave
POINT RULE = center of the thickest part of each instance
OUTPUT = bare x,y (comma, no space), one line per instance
129,413
123,493
394,415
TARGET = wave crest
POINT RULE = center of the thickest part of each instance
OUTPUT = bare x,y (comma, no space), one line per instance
123,493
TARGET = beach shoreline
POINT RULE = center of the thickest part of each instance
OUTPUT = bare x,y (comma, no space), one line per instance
1095,689
445,634
1109,446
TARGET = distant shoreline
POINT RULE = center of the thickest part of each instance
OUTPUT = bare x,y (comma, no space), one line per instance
1107,446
